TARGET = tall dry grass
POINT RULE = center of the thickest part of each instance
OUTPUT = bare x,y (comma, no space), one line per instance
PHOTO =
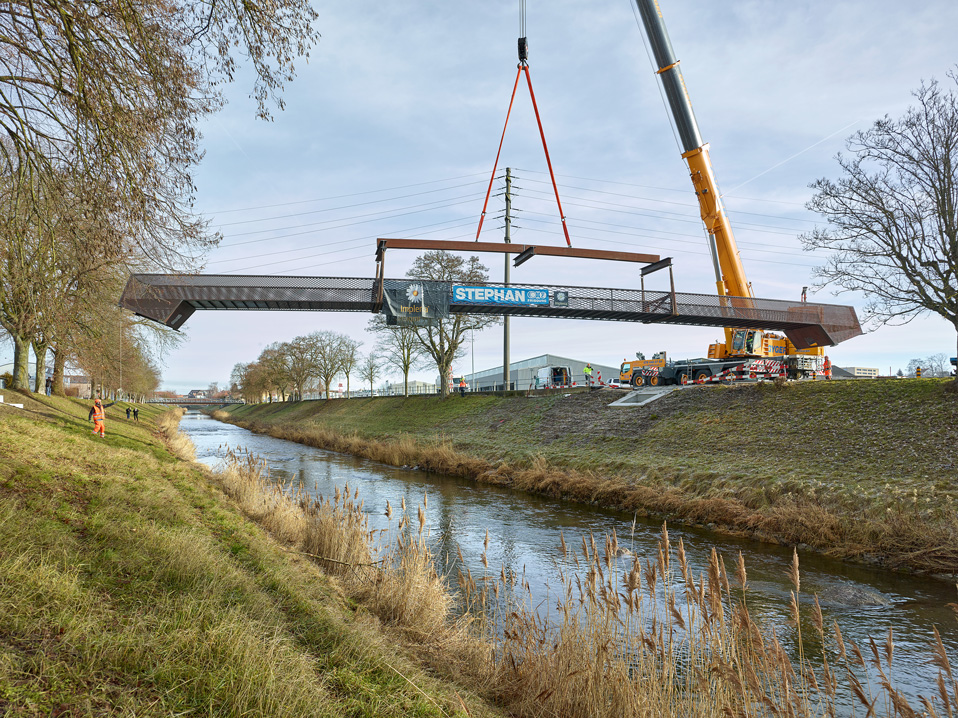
179,443
628,636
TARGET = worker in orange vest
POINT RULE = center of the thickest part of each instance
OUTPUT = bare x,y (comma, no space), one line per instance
827,369
98,415
462,386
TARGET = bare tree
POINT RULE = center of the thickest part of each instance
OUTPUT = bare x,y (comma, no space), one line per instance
398,344
443,339
301,363
349,358
370,369
272,362
893,215
329,356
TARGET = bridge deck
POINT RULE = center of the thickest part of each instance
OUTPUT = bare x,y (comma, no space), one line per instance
171,299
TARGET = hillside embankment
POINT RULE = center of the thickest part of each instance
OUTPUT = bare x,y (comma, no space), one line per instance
130,584
862,470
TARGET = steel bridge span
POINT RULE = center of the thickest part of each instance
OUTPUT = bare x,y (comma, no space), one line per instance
171,299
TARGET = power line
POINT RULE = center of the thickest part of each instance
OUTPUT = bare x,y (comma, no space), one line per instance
348,206
344,196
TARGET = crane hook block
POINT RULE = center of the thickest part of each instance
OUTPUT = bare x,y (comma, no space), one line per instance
523,50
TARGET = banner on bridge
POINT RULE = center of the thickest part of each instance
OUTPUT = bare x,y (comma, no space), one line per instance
415,303
500,295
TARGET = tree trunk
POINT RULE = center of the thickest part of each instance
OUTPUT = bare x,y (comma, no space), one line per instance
40,366
21,359
405,383
59,365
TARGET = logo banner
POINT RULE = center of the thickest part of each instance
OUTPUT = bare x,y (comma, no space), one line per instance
499,295
414,302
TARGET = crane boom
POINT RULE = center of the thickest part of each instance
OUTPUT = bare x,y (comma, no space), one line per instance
730,277
729,273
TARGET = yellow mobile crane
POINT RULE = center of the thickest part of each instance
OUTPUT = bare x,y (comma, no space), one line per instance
740,344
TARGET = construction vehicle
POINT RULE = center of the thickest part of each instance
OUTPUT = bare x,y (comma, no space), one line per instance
552,377
744,353
635,372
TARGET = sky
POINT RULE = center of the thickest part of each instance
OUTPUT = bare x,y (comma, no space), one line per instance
391,130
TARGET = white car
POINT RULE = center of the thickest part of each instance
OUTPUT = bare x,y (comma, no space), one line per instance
615,384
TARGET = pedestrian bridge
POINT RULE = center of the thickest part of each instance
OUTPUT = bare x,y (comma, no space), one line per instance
186,401
171,299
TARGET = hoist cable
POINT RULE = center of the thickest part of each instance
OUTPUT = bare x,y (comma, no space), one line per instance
545,149
495,166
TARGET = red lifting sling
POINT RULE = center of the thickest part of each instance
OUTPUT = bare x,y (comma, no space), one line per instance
524,67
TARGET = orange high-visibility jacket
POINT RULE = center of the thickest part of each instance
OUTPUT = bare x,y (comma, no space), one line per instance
98,413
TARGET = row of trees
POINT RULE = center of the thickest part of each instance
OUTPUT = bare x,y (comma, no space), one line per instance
290,369
936,365
99,109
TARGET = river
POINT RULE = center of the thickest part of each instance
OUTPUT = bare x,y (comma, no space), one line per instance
524,533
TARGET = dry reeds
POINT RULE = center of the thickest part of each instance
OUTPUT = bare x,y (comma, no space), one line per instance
179,443
628,636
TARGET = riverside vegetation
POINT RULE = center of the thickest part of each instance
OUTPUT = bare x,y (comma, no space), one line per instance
862,470
132,583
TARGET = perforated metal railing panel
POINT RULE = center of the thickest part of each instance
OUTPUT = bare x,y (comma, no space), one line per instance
171,298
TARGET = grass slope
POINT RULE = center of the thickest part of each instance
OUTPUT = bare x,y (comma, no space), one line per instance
130,585
861,469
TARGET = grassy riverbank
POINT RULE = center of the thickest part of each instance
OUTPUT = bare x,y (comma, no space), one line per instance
133,582
866,470
131,585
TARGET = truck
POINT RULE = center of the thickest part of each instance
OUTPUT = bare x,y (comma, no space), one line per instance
745,353
636,372
551,377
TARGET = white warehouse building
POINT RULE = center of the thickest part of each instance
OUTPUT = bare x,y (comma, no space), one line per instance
522,374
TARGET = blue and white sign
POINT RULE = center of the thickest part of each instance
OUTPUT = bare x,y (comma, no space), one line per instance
500,295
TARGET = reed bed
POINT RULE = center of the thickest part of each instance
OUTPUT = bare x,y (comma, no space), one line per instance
628,635
178,442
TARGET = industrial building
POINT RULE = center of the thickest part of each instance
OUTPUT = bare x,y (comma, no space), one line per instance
522,374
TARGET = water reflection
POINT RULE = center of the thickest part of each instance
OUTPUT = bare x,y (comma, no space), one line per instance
524,539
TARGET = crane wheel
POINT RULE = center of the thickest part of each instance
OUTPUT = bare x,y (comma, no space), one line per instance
653,380
683,378
637,381
702,376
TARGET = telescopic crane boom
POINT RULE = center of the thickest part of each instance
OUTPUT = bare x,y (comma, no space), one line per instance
730,277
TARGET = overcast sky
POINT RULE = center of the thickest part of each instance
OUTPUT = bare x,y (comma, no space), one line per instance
392,127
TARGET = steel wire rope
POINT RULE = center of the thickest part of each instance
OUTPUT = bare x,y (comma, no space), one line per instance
428,207
663,189
367,238
693,238
344,196
682,204
348,206
335,251
680,251
678,217
335,261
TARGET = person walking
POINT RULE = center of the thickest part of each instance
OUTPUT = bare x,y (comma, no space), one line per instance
128,413
588,374
49,386
98,416
462,386
136,414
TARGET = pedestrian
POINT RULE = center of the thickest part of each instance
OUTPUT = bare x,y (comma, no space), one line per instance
128,413
98,416
49,386
588,374
136,414
462,386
